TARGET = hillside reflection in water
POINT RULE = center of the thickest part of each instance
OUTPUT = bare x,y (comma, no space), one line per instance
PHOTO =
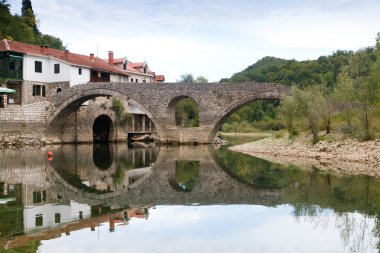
182,198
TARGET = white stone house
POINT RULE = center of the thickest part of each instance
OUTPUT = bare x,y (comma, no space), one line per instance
37,72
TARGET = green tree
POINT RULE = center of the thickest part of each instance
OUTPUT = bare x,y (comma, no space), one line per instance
5,17
189,78
344,94
309,101
20,31
122,117
51,41
186,78
27,14
187,113
24,28
368,93
288,110
201,79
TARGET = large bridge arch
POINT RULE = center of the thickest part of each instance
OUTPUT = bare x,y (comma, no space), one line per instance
236,105
69,101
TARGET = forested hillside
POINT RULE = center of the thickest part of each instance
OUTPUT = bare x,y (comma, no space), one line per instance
324,70
24,28
340,91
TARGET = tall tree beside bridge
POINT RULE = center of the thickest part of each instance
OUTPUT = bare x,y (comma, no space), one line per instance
27,14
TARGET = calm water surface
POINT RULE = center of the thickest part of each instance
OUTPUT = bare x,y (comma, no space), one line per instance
144,198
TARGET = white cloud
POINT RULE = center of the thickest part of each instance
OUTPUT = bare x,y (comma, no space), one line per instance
210,38
225,228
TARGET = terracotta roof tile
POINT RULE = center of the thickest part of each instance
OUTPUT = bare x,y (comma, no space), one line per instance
118,60
137,64
72,58
160,78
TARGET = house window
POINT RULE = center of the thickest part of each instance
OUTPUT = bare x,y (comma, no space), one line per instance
137,80
124,66
131,80
39,220
57,218
39,90
80,71
56,68
39,197
38,66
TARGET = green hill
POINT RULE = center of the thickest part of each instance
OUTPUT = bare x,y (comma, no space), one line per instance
24,28
343,72
324,70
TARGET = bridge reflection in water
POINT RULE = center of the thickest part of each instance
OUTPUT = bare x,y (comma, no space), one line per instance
83,186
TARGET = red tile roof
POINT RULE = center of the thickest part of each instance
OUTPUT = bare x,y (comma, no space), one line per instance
160,78
137,64
118,60
133,66
72,58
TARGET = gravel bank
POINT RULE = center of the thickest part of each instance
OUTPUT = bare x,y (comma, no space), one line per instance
347,156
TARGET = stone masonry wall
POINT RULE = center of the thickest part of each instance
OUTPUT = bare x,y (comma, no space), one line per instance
79,124
22,124
50,90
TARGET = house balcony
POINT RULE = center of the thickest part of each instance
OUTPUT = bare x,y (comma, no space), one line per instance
96,79
16,75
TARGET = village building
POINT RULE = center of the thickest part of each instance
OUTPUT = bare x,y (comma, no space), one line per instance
38,72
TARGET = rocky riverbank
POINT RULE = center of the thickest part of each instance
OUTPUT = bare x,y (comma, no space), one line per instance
347,156
23,140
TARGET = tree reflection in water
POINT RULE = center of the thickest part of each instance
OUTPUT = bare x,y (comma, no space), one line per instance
173,175
315,194
186,175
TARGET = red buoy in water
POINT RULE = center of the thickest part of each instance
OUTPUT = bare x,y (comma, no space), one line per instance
50,153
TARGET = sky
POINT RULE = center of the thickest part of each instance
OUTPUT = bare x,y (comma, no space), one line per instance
225,229
213,38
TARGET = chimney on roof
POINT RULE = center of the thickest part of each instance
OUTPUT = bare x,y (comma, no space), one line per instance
91,56
66,53
110,57
44,49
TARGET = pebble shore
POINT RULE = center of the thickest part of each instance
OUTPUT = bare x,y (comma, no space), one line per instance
343,156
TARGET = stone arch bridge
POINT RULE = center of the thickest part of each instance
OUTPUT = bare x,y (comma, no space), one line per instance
216,102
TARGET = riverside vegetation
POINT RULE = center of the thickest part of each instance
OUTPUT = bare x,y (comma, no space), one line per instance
339,93
332,119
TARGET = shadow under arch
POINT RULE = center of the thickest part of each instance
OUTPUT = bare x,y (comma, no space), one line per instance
103,129
102,156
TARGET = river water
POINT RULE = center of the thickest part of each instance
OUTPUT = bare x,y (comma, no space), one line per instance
145,198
